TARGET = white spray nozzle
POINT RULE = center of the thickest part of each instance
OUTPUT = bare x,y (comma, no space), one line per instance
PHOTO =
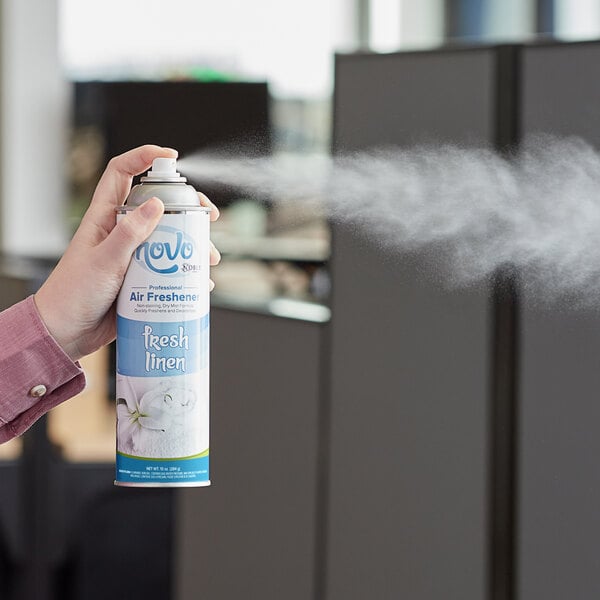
163,168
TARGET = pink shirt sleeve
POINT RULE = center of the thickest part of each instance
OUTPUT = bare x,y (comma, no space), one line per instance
35,373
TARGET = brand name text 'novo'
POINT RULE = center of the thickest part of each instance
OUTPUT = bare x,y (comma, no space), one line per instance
161,257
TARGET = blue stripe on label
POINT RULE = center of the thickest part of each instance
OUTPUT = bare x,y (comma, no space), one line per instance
149,349
146,470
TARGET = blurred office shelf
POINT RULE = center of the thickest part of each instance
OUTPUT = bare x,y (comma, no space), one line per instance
288,308
264,247
274,260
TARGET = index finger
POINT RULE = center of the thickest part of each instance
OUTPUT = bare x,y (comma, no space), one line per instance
115,183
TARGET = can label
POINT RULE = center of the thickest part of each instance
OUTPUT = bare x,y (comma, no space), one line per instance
162,357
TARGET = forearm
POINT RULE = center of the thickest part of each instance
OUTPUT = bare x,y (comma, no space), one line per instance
35,372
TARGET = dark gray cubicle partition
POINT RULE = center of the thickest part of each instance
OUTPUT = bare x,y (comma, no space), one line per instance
411,359
560,368
252,533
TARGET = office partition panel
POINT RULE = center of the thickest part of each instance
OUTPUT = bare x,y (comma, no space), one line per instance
560,366
411,356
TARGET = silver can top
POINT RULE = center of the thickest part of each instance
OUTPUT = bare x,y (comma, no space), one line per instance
164,182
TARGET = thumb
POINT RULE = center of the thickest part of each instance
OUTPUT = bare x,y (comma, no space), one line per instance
129,233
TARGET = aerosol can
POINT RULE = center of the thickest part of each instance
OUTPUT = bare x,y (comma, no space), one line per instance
163,341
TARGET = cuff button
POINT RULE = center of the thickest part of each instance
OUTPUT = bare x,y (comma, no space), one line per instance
37,391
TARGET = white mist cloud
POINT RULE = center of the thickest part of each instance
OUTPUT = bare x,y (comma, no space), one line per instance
538,210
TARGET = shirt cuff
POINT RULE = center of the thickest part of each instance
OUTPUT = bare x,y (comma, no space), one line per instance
35,372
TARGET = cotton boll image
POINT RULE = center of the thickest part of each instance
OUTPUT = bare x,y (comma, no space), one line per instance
174,400
186,405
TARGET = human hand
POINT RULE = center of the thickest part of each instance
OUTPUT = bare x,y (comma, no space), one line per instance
77,301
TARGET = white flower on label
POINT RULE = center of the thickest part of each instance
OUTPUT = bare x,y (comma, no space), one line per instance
140,421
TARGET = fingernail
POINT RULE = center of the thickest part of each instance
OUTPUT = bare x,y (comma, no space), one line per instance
171,149
211,285
151,209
